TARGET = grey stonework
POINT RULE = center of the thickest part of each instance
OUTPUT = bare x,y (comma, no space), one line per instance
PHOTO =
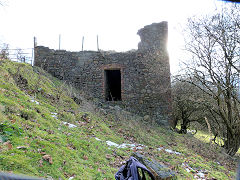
145,73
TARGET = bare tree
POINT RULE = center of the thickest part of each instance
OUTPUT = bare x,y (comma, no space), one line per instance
214,44
20,55
3,3
4,51
188,104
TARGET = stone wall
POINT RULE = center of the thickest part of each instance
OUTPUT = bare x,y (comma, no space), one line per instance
145,73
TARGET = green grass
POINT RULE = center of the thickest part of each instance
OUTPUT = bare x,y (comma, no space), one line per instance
205,137
30,132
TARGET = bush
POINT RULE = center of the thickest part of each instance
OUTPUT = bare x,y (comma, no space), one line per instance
8,130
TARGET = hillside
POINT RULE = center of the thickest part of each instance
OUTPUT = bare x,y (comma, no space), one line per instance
48,129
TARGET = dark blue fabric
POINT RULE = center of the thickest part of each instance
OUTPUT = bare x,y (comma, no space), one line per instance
130,171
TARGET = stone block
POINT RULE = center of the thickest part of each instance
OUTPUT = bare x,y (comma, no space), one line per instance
160,171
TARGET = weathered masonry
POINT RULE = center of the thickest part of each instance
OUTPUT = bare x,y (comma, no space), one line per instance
136,80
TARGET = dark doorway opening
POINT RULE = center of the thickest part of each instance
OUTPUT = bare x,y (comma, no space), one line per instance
113,85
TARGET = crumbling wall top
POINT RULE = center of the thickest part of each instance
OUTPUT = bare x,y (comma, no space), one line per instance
153,36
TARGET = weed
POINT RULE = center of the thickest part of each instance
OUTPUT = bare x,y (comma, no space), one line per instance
7,130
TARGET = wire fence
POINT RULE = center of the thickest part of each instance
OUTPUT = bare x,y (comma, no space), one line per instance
18,55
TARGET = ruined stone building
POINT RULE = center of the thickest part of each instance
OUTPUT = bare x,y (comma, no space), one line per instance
136,80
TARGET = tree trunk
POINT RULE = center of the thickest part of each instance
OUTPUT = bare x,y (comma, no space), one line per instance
232,143
184,125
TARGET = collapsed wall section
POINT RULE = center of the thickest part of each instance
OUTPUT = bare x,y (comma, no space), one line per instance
144,73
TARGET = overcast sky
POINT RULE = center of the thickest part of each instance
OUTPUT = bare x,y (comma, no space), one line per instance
116,22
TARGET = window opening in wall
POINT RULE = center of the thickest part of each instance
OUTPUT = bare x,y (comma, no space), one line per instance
113,85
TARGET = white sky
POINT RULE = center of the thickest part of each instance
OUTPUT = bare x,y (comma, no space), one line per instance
116,22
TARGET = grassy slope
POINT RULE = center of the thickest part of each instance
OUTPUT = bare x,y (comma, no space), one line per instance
30,132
